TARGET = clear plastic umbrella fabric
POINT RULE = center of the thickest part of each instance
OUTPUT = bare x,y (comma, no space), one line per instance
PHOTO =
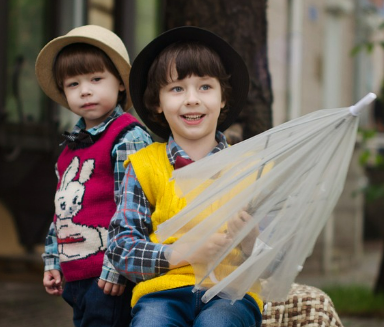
287,179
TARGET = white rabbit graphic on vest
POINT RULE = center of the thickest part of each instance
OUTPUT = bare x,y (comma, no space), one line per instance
76,241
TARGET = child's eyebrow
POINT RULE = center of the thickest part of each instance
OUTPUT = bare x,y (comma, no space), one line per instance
169,81
206,77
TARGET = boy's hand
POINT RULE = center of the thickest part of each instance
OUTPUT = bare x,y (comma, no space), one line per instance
110,288
210,249
236,224
52,282
219,240
204,254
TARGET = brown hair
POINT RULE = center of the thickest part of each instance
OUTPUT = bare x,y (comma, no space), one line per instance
190,58
82,58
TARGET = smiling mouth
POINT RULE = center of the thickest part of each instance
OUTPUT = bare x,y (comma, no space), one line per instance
192,117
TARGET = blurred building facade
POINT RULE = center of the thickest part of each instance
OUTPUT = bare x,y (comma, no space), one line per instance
309,46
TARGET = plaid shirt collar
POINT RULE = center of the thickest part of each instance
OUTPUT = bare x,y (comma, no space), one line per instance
118,111
174,150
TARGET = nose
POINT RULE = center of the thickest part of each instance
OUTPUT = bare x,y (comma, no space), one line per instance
85,91
192,98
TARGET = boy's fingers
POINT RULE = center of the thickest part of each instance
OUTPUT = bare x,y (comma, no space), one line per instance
56,276
121,290
101,283
52,282
115,290
48,282
52,291
105,286
244,216
110,288
221,239
234,225
49,279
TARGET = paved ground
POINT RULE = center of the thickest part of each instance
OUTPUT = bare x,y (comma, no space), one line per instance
24,303
364,274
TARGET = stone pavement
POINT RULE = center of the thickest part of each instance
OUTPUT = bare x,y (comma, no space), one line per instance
24,303
364,274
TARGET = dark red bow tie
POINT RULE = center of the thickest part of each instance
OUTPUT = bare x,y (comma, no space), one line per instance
181,162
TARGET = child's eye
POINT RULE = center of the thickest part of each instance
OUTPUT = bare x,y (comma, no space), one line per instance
205,87
97,79
177,89
71,84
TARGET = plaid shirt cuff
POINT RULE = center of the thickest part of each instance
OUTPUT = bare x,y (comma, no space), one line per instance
51,262
109,273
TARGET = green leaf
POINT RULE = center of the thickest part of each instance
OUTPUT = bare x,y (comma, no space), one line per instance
355,50
367,134
379,160
369,47
374,192
364,157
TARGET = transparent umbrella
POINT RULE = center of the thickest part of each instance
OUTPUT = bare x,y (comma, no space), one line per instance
288,179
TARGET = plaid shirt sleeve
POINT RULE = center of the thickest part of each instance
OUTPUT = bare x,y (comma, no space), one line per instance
134,140
129,248
51,255
131,142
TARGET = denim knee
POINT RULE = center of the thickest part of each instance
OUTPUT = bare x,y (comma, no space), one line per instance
220,312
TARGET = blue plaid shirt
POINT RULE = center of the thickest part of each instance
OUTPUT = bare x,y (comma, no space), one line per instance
134,140
129,248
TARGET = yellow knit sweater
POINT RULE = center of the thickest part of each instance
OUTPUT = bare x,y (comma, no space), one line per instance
153,171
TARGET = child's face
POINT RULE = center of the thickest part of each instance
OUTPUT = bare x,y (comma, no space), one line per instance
92,96
192,107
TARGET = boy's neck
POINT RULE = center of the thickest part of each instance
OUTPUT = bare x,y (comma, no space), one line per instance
197,149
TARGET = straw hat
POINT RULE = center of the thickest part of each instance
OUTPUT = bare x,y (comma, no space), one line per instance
97,36
233,63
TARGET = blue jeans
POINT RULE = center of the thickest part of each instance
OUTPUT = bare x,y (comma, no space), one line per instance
91,307
180,307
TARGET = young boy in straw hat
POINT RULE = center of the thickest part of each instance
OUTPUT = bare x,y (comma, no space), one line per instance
189,87
87,71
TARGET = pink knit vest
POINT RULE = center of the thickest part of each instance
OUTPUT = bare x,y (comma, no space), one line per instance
85,203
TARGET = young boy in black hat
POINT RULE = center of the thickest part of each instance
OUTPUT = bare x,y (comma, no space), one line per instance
189,86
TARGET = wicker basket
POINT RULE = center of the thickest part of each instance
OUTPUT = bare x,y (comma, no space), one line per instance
305,306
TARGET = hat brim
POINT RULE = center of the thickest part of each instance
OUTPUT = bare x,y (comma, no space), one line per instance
93,35
233,63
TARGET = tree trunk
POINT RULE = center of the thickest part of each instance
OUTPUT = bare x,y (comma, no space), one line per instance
243,24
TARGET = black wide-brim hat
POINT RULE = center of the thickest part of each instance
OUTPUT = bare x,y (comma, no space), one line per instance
233,63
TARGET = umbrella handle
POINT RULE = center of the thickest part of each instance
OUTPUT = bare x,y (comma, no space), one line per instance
356,109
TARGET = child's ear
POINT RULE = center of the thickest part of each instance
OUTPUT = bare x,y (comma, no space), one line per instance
159,110
222,104
121,87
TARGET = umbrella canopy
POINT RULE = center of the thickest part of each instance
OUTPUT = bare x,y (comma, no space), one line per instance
270,196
